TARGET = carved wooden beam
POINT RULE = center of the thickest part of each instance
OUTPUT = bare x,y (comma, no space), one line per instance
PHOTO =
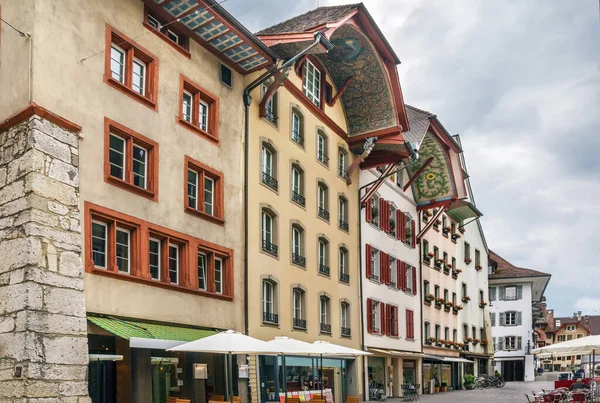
271,90
341,91
417,174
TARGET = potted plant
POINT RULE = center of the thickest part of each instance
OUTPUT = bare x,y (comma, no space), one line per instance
482,304
374,212
439,342
468,340
458,271
447,305
466,299
478,268
392,225
484,342
476,342
462,230
431,340
468,260
444,386
429,298
469,381
437,386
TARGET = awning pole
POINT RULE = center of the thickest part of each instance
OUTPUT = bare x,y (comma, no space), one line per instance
227,374
284,379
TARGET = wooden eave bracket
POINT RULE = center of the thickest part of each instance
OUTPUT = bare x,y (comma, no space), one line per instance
417,174
369,145
271,90
371,191
428,226
341,91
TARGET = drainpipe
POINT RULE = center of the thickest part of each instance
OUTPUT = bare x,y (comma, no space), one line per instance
319,39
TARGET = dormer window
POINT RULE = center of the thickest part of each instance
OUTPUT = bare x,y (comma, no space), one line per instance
311,82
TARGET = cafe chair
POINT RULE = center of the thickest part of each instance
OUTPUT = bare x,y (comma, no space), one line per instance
578,397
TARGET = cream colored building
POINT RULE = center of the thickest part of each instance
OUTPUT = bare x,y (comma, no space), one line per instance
158,204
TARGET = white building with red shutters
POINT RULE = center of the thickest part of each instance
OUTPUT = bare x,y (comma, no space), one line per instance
390,285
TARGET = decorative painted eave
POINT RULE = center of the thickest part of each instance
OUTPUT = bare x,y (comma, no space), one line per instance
461,210
209,24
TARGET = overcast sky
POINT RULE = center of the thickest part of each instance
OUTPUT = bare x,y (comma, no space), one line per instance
520,82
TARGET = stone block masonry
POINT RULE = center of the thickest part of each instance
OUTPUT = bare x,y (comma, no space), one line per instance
43,339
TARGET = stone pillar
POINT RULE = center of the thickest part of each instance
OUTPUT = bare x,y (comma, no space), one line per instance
43,340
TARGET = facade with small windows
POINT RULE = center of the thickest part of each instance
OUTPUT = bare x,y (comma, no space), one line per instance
513,291
145,206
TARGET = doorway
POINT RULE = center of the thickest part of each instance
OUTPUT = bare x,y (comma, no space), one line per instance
513,371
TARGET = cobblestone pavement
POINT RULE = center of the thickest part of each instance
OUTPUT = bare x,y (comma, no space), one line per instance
513,392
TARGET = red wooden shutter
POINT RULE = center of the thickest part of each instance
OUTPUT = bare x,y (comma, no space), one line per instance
396,321
398,220
413,241
403,274
369,315
414,278
381,212
388,320
412,324
369,210
368,262
383,316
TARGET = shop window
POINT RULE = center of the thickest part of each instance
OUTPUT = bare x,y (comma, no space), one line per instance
130,68
204,191
198,110
130,160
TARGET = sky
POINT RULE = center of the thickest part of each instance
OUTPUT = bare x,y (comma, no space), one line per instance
520,82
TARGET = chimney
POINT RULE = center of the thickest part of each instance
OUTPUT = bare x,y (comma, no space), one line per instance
579,316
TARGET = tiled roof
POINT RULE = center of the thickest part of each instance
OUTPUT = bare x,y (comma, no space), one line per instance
507,270
419,124
310,19
592,322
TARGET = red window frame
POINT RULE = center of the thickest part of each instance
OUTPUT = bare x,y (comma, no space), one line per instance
183,48
141,231
131,137
218,179
199,94
132,50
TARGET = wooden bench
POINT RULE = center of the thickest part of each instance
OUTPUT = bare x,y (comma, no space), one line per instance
352,399
217,398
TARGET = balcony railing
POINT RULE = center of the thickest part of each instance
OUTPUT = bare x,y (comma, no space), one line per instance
269,247
270,181
344,277
298,139
298,259
344,225
325,328
346,332
324,214
324,269
270,317
299,323
298,198
321,156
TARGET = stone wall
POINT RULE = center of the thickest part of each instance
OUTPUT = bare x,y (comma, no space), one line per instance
43,341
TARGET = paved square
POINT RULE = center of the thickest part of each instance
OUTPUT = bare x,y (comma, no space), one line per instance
513,392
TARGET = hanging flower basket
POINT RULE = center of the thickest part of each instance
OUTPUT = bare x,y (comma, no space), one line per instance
478,268
458,271
483,304
462,230
466,299
468,260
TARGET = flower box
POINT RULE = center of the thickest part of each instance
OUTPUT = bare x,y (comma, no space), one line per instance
468,260
431,340
468,340
478,268
483,304
466,299
462,230
476,342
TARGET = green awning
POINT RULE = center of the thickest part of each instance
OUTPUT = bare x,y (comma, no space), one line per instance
126,329
461,210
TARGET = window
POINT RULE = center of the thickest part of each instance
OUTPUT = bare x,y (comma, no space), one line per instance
324,314
130,68
299,321
118,248
425,287
492,319
446,333
323,256
467,252
202,265
271,106
454,298
343,265
510,293
226,76
436,290
446,298
131,160
267,232
297,125
198,110
409,279
393,272
342,163
425,249
374,318
436,253
464,290
375,264
426,331
322,148
492,292
444,222
268,172
437,331
298,185
297,246
268,297
474,332
154,258
374,206
410,324
345,319
311,82
454,335
465,330
481,296
512,318
510,343
204,191
409,230
323,201
171,35
477,258
343,213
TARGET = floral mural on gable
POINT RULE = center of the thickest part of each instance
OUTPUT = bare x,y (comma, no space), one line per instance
368,100
435,183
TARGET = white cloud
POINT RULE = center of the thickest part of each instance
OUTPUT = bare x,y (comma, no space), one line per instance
588,305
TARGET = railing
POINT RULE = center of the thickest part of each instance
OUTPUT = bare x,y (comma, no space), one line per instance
324,269
323,213
346,332
270,317
273,118
298,139
270,181
344,225
299,323
375,277
269,247
298,259
325,328
344,278
298,198
323,157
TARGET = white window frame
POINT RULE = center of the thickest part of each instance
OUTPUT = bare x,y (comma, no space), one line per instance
321,146
296,124
267,233
312,92
321,196
507,316
297,241
409,279
267,161
268,297
510,342
393,269
375,256
158,266
341,163
176,36
202,272
209,203
128,258
153,22
376,316
203,115
322,252
145,162
342,260
122,63
219,269
297,304
344,307
511,297
193,195
105,251
170,259
143,76
187,106
296,180
342,209
323,307
124,153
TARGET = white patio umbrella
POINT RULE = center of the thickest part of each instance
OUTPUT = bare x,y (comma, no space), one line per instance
228,342
583,345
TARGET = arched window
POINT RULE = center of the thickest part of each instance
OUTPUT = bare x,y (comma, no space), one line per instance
343,213
324,315
297,126
323,256
298,185
345,319
298,308
272,106
298,245
343,265
322,148
323,201
269,305
269,231
269,166
342,162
